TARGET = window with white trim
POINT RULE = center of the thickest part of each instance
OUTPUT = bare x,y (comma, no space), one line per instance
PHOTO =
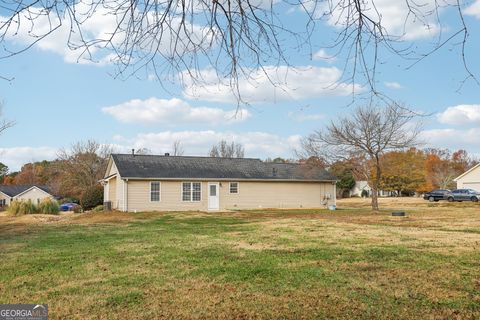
233,187
155,191
192,191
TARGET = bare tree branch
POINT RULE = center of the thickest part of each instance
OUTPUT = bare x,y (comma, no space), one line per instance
176,39
367,134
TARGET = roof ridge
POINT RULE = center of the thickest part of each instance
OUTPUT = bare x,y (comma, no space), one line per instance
200,157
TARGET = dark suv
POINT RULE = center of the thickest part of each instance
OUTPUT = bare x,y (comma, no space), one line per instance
435,195
463,195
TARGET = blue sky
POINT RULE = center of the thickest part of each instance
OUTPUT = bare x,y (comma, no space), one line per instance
56,101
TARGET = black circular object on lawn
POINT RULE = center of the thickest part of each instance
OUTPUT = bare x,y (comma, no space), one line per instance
398,214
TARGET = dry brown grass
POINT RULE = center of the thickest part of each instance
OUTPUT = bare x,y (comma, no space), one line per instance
270,264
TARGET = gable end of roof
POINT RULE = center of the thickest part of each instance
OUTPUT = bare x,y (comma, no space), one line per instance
467,172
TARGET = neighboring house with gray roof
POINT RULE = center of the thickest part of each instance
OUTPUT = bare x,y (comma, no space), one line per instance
35,193
177,183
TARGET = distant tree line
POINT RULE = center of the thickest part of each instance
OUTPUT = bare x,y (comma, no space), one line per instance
406,172
76,172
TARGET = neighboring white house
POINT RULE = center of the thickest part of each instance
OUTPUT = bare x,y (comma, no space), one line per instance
469,179
9,193
361,185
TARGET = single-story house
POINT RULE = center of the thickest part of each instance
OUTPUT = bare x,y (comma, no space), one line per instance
175,183
35,193
470,179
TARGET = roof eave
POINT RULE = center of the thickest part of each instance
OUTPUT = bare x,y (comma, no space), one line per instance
228,179
32,187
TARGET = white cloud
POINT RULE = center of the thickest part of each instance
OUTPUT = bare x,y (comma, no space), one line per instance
473,10
272,84
302,117
172,112
465,114
37,22
323,55
395,16
393,85
257,144
16,157
453,139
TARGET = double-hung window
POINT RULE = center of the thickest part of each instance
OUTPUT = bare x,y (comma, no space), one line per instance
233,187
191,191
155,191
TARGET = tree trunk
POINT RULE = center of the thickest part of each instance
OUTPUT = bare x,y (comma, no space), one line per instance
375,184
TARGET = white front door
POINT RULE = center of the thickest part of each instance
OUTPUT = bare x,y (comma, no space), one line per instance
213,196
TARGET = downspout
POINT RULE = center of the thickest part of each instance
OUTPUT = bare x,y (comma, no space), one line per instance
125,195
335,193
106,191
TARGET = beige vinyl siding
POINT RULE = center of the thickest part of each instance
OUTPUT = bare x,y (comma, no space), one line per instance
251,195
170,197
277,195
34,194
119,193
471,180
113,169
112,192
113,189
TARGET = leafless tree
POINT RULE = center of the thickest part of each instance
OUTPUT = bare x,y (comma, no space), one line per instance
443,177
177,148
366,134
175,39
227,150
5,124
83,165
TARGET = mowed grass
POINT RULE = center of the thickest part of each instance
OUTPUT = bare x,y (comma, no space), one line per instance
262,264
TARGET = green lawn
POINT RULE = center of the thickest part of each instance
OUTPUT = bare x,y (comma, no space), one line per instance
349,264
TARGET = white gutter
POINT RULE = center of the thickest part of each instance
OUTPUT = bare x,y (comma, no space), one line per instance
125,195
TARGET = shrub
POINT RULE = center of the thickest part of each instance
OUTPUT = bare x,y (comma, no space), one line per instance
77,209
28,207
92,197
14,208
48,206
98,208
21,207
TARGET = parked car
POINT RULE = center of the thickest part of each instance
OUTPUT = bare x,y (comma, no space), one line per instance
69,206
463,195
436,195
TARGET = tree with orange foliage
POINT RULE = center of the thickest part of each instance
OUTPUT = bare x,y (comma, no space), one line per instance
403,171
442,166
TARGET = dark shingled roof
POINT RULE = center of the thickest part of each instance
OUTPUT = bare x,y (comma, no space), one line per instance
172,167
13,190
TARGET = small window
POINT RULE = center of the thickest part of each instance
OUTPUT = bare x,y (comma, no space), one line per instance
191,191
213,190
155,191
233,187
